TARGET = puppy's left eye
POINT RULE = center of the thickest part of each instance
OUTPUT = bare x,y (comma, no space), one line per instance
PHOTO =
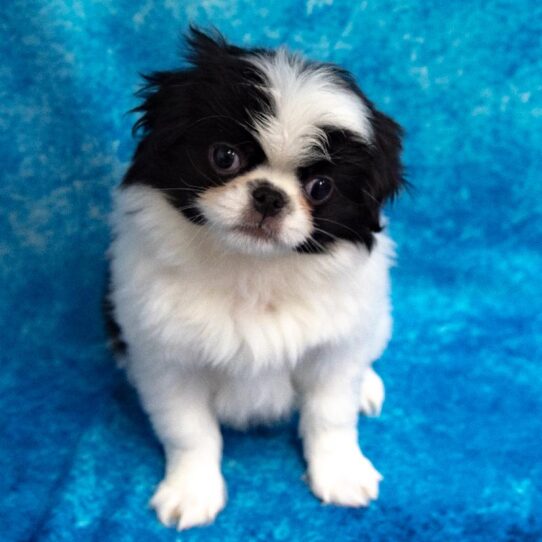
319,189
224,158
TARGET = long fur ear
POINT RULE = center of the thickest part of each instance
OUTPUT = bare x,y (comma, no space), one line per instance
387,169
387,175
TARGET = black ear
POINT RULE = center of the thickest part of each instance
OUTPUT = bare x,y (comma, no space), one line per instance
387,170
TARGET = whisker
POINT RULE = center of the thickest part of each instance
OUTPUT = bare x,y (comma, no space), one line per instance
340,225
181,189
187,184
194,237
353,276
370,195
214,183
366,192
334,237
318,244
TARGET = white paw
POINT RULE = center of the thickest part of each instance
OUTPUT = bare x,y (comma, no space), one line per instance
346,479
189,498
372,394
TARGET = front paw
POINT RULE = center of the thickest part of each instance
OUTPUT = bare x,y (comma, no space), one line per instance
345,479
190,497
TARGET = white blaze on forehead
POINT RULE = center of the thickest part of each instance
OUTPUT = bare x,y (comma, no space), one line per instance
304,99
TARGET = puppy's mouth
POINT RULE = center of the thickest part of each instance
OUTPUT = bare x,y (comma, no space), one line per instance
257,231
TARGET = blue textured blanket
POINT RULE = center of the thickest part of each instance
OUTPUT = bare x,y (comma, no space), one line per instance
460,438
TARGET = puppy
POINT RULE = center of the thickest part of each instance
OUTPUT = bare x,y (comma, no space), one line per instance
249,269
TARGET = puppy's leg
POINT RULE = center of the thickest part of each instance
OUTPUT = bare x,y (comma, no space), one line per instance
338,471
371,393
193,490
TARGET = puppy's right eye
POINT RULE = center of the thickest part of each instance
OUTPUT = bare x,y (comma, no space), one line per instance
225,159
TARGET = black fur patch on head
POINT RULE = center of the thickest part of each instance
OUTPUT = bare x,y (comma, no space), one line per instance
365,177
184,111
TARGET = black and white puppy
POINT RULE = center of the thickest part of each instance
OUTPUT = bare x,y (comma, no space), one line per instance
249,267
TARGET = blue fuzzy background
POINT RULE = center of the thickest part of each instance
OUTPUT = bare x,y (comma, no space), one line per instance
460,438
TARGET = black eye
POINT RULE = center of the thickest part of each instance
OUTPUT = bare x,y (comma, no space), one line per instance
224,158
319,189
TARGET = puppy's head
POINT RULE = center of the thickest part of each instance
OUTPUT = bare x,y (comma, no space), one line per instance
269,151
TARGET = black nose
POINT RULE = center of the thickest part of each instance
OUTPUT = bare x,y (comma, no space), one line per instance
268,200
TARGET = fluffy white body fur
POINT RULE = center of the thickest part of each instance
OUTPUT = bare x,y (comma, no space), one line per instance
221,336
226,321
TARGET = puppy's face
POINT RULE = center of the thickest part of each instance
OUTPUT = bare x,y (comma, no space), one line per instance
272,153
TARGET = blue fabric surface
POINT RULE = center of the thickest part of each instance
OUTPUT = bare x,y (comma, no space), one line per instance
460,438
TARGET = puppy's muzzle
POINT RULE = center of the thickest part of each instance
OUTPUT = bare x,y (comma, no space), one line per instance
267,199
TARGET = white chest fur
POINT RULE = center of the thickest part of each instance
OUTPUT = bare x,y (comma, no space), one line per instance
179,296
